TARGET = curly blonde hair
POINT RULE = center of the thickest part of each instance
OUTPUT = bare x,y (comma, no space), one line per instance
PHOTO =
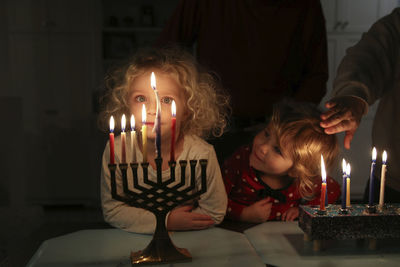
296,126
207,103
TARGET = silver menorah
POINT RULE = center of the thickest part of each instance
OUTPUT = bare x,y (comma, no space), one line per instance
159,197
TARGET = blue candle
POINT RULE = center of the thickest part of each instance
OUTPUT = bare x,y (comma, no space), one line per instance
344,188
371,178
157,125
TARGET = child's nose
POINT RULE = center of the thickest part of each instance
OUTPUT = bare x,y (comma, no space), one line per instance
152,106
264,147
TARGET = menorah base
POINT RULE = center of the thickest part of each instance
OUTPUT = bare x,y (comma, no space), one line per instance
160,252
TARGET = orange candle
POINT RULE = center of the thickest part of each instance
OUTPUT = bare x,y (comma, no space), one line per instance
323,185
112,161
123,139
173,129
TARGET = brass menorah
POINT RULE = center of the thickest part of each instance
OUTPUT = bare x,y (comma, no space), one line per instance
159,198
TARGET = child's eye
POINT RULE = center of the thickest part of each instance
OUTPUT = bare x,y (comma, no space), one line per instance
140,98
167,100
266,133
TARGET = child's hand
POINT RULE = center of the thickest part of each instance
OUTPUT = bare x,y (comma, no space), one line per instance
258,212
290,214
182,218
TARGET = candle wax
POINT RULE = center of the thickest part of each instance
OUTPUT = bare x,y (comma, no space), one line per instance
112,161
144,137
382,191
323,193
348,192
123,147
173,129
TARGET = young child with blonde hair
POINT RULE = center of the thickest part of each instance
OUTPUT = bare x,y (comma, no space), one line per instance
268,180
201,111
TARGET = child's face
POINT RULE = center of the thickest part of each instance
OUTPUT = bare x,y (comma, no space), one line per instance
168,90
266,156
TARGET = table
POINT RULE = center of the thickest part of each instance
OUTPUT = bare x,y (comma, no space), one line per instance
282,244
112,247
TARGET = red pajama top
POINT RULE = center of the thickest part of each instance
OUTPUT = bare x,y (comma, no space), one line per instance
244,188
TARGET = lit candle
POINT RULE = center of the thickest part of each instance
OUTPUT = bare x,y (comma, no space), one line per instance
323,185
157,125
383,174
348,185
123,139
112,161
173,129
133,139
371,178
144,134
344,184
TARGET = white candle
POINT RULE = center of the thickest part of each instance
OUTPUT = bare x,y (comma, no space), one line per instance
144,133
383,174
123,139
348,185
133,139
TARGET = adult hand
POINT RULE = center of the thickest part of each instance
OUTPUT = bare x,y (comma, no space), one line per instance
182,218
343,115
291,214
258,212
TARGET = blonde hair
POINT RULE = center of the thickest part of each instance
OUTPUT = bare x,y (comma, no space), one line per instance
206,103
296,126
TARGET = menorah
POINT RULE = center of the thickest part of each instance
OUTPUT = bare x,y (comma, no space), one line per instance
159,197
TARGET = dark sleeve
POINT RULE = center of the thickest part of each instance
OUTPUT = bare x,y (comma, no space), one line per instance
182,27
315,70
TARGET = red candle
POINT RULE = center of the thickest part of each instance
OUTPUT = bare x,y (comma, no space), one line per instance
112,140
173,129
123,139
323,185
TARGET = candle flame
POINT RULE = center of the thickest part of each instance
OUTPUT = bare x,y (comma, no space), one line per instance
123,123
323,171
153,81
143,114
384,157
173,108
374,154
112,124
348,170
132,122
344,166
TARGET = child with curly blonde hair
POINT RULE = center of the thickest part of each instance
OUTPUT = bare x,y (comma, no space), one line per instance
268,180
201,111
